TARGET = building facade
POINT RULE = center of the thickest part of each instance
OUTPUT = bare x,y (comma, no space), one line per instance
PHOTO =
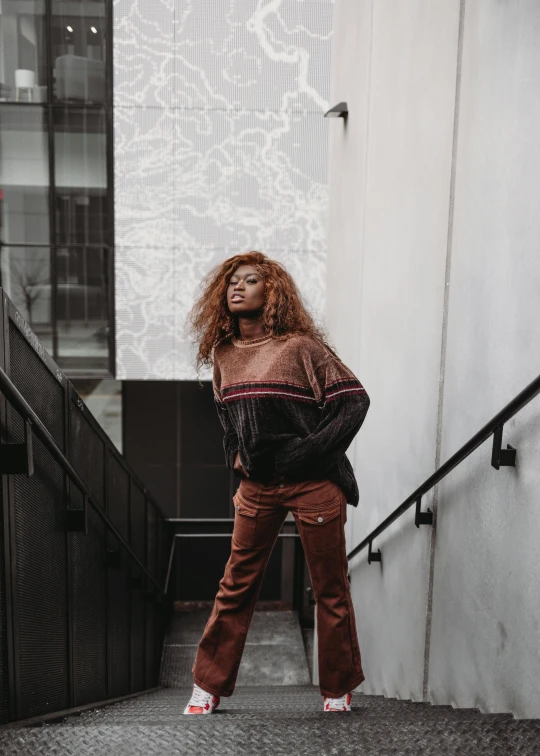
141,143
220,147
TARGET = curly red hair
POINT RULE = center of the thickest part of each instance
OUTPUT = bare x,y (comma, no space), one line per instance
284,312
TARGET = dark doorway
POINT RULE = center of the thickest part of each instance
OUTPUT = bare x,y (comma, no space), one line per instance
174,440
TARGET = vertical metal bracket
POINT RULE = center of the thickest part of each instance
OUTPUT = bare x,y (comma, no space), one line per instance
502,457
77,519
422,518
18,459
374,556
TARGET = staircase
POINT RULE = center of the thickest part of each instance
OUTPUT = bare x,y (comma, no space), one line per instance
276,720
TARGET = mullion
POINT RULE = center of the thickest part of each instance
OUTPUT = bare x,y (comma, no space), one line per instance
52,180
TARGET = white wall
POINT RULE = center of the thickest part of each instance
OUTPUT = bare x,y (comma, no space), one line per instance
433,300
485,641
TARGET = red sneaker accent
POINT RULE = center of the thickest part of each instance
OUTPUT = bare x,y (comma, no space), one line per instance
338,704
195,710
201,702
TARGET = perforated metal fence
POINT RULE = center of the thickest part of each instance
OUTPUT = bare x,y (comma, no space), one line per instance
82,610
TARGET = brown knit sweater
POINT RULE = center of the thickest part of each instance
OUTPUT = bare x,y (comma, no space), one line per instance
290,407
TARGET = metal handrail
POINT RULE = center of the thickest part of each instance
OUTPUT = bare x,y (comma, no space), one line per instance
17,400
204,535
499,457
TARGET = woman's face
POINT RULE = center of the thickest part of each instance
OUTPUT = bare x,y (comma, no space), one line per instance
245,293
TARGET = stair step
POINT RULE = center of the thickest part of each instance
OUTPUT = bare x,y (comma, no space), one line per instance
270,721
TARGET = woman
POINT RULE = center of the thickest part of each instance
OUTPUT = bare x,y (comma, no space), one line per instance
289,408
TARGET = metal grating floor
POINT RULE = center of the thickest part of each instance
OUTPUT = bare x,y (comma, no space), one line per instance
275,721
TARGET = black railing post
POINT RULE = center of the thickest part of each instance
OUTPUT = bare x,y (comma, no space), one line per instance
69,552
107,540
501,457
374,556
422,518
9,578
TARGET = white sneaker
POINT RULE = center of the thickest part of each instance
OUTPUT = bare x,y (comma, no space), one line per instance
338,704
201,702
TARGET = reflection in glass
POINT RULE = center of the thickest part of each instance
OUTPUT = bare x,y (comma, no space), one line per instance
23,72
25,274
80,176
78,50
24,175
82,308
104,400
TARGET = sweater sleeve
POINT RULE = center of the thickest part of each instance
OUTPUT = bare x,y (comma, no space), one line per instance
344,407
230,439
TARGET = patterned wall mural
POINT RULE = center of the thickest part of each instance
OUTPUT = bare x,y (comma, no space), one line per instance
220,147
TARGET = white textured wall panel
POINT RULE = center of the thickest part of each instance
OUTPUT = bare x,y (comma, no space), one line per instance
395,64
220,147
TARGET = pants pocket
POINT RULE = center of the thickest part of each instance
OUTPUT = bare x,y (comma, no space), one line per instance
318,493
321,529
245,522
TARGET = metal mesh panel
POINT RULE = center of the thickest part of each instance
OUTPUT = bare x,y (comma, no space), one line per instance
119,622
138,522
150,647
87,453
151,538
137,641
41,584
3,639
164,551
89,586
116,633
37,384
159,609
118,499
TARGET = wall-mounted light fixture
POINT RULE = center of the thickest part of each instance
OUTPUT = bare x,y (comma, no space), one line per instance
338,111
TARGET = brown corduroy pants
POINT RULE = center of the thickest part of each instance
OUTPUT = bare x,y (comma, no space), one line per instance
320,510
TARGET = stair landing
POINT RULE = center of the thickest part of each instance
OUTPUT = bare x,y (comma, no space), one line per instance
274,653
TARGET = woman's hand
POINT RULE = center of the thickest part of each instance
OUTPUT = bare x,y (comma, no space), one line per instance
238,467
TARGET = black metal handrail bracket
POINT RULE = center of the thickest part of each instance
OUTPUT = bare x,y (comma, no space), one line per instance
17,459
499,458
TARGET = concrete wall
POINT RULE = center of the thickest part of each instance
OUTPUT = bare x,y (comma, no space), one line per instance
433,298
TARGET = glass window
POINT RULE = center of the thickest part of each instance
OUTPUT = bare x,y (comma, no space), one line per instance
23,64
25,274
24,175
82,309
80,176
78,50
55,226
104,400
